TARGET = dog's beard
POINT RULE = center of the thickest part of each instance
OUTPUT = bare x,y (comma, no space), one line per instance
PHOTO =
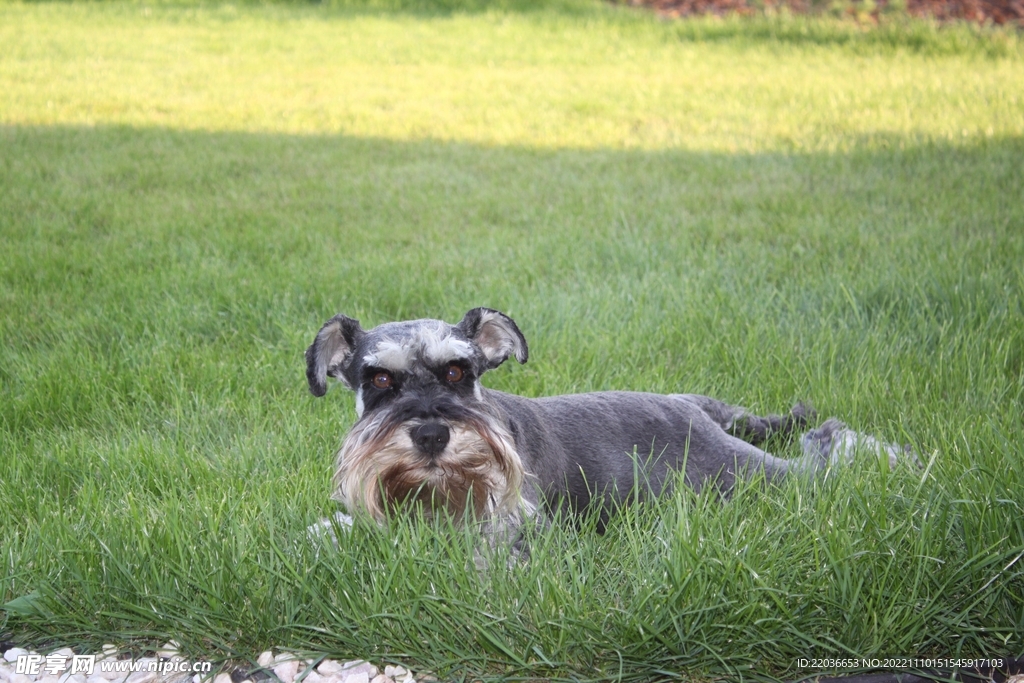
380,470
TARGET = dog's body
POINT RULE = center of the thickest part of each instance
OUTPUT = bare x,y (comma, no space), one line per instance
626,444
429,432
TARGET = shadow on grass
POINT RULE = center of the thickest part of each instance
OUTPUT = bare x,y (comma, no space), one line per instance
160,286
199,236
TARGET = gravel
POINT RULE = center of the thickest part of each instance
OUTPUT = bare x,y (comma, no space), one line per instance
167,663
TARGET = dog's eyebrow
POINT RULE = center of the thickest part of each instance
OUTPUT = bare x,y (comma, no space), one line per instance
441,347
392,355
435,346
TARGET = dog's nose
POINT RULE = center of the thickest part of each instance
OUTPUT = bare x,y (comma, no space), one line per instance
431,438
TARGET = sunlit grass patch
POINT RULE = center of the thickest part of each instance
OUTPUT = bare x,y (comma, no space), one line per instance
588,79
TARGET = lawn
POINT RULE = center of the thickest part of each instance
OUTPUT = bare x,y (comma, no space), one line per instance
765,211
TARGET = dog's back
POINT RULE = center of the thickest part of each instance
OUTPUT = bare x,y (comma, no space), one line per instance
625,445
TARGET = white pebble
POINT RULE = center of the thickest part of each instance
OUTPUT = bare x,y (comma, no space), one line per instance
110,675
360,677
395,672
48,679
287,671
75,678
20,678
382,679
329,667
266,659
358,666
15,652
222,678
313,677
170,649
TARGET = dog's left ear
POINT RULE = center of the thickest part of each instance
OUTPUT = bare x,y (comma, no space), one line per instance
495,334
331,352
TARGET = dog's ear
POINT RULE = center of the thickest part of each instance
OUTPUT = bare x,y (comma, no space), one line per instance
495,334
331,352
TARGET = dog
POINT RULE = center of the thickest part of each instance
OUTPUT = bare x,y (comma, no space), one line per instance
428,434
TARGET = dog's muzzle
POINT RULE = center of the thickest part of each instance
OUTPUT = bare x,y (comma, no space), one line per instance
455,462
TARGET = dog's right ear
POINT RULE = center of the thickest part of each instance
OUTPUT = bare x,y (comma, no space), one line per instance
331,352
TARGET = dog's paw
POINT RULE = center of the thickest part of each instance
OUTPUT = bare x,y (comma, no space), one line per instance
910,454
821,442
324,530
802,414
847,444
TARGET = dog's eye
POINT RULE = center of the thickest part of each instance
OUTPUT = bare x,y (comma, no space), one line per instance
382,380
454,374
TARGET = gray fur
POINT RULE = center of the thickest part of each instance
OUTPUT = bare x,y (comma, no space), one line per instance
627,445
574,451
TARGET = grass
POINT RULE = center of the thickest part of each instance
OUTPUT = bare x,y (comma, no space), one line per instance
765,212
544,80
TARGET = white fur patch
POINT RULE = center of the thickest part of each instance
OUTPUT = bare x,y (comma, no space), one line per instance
444,349
847,443
360,406
432,344
392,355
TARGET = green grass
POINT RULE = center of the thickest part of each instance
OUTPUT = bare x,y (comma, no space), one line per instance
767,211
598,80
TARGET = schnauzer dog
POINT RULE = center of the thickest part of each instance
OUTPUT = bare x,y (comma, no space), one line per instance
430,434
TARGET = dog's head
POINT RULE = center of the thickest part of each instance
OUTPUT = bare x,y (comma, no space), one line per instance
424,432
